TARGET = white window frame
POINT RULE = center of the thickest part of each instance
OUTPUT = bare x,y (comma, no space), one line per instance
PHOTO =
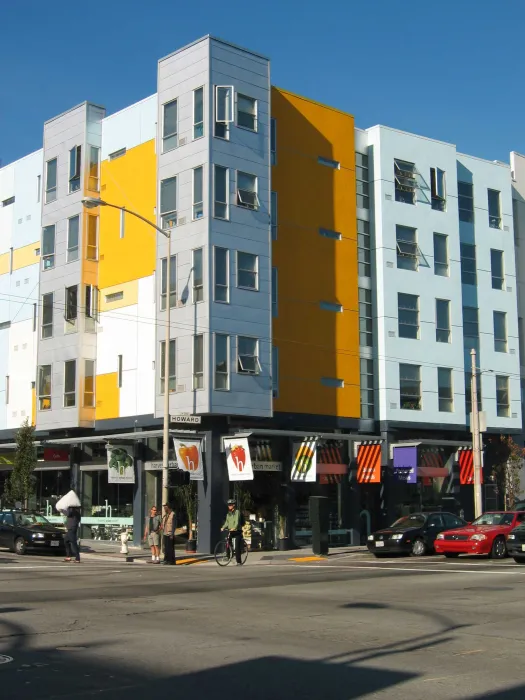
255,272
198,287
215,285
43,397
71,249
47,325
247,194
438,264
48,259
229,111
197,124
227,373
445,398
503,409
164,283
503,341
405,179
240,368
439,329
171,213
494,277
51,192
75,172
494,221
198,376
172,135
226,204
402,254
198,206
70,393
255,115
91,403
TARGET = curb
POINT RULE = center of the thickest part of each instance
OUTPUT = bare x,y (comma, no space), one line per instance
131,559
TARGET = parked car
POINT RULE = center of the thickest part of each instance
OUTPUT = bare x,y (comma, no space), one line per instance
413,534
516,543
24,531
485,535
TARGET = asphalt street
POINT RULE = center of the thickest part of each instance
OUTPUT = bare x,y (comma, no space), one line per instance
340,628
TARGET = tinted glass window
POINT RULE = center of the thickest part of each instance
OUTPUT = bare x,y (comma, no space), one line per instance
416,520
435,521
8,519
495,519
452,521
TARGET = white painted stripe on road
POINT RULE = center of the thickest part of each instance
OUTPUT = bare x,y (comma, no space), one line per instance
322,567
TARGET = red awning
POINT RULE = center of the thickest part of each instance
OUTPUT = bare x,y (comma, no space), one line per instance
429,472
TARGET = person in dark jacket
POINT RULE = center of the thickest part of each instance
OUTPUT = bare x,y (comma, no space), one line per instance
71,537
168,526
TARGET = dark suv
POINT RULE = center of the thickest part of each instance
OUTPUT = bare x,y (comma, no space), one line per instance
24,531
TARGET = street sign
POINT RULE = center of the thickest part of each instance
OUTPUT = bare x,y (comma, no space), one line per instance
186,418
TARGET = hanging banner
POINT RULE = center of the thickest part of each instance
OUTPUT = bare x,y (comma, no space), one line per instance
466,467
304,465
189,458
238,459
405,464
369,463
121,469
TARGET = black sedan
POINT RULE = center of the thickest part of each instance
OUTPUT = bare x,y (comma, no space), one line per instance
22,531
516,543
412,534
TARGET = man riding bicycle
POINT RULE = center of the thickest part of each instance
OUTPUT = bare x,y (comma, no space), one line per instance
233,524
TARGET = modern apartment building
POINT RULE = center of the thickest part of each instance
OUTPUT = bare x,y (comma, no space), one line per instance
325,283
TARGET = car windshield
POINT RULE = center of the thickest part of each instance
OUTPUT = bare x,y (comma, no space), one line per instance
31,519
494,519
415,520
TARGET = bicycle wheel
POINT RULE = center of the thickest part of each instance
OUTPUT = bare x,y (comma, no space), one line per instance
244,552
222,553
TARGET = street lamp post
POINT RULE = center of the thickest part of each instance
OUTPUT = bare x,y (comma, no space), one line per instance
476,448
91,203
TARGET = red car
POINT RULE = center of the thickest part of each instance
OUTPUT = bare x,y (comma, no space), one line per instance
485,535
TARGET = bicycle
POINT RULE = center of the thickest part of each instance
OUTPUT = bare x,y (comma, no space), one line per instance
225,551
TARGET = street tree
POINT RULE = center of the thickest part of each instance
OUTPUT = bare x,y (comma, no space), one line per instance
20,485
506,462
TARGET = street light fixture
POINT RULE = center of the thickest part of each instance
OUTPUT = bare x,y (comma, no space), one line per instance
92,203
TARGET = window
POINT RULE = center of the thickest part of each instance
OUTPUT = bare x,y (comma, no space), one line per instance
122,229
367,388
71,308
445,393
247,191
333,382
169,126
442,321
7,389
502,396
48,247
405,181
468,264
468,393
94,168
494,209
470,322
500,331
44,387
89,384
247,270
362,180
248,355
91,308
410,387
74,168
198,281
47,315
363,248
8,201
73,226
275,372
247,112
328,233
275,290
222,362
329,163
198,207
441,255
466,201
223,110
117,154
408,315
114,296
198,362
92,238
330,306
273,141
173,282
168,203
120,368
220,194
366,337
221,274
407,248
437,189
172,368
38,187
51,180
198,113
496,269
273,215
70,372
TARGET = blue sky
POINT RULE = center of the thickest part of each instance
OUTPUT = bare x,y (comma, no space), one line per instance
451,70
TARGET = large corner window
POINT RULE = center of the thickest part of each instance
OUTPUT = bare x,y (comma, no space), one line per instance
364,254
168,203
51,181
198,361
74,168
468,264
198,113
466,201
222,362
70,381
94,169
173,282
362,181
44,387
172,367
220,192
221,274
198,205
47,315
73,230
224,96
367,388
198,279
71,309
366,328
48,247
169,126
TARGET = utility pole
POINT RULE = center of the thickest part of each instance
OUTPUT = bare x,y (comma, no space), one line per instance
474,428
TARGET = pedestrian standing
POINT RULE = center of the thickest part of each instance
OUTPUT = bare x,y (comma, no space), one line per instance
152,534
168,534
71,537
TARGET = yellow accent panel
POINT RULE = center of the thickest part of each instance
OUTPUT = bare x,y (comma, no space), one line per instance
4,264
23,257
107,396
128,181
33,406
130,292
314,343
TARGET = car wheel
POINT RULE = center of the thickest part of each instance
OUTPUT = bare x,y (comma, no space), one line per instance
519,560
499,549
20,546
418,548
451,555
